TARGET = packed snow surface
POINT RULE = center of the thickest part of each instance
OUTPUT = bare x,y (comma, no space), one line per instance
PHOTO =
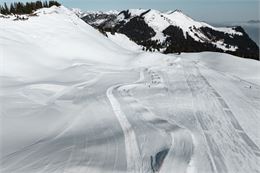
123,41
74,101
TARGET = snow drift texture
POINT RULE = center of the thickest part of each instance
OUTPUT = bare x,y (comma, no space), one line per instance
73,100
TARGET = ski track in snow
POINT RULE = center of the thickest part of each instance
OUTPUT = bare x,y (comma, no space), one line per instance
194,81
134,161
72,104
180,152
150,142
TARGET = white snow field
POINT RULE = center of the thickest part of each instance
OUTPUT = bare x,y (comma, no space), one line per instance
74,101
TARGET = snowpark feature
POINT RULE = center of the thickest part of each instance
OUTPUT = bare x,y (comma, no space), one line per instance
73,100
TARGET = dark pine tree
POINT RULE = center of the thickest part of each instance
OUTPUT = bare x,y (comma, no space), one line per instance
38,4
12,9
1,9
27,8
52,3
6,9
45,4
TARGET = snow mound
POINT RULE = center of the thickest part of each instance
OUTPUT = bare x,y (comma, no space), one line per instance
73,100
50,41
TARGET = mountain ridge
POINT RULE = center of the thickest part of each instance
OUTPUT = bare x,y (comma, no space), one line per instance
156,31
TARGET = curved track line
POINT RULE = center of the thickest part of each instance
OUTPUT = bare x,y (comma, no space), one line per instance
182,147
180,153
133,156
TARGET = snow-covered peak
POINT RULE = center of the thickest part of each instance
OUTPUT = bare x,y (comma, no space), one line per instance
78,12
136,12
110,12
173,11
179,15
185,22
159,21
54,10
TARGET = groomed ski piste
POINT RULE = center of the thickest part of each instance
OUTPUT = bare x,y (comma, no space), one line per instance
75,101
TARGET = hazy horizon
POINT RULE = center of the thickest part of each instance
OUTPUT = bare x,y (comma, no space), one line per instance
203,10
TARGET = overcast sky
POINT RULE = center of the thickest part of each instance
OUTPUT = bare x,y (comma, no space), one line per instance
204,10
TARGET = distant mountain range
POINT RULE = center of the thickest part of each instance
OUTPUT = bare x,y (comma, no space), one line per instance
172,32
253,21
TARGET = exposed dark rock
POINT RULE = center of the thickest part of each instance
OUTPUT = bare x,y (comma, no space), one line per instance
247,48
136,29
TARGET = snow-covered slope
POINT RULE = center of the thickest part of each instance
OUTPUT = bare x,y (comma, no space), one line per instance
124,41
78,12
74,101
38,43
